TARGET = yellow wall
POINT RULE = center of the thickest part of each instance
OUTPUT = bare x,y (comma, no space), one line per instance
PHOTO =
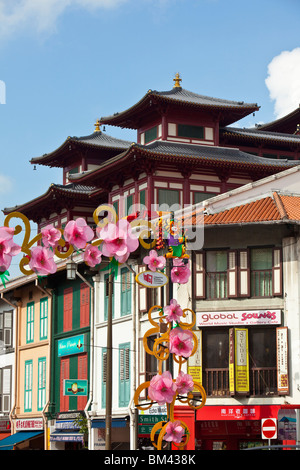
32,351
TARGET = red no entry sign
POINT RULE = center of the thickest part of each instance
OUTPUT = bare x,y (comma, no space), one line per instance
269,428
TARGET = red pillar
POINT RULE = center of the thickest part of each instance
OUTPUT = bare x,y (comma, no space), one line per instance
187,415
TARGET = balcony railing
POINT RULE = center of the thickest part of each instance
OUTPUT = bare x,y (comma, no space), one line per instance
261,283
263,382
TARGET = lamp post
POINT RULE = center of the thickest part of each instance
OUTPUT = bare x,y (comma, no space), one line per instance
109,366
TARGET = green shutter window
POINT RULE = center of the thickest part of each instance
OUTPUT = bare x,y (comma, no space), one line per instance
192,132
200,196
104,368
106,291
44,318
30,323
129,204
150,134
28,386
124,374
41,383
143,197
125,292
168,196
261,272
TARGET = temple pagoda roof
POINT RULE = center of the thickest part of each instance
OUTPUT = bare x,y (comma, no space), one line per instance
258,134
288,123
192,156
97,141
153,101
57,197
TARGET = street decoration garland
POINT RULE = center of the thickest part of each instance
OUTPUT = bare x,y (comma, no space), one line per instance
116,239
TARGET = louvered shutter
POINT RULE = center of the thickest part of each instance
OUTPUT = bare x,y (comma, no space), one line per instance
244,273
64,374
277,272
199,275
84,305
232,273
68,309
6,389
124,375
82,374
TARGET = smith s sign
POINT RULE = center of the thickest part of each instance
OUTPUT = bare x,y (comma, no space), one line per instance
242,317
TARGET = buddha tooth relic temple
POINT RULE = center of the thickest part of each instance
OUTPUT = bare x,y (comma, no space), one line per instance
189,148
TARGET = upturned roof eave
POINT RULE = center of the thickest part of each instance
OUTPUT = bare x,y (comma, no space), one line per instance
123,118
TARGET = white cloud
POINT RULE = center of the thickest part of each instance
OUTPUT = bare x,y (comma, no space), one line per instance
41,15
283,81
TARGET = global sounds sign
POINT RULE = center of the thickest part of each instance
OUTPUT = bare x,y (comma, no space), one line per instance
238,318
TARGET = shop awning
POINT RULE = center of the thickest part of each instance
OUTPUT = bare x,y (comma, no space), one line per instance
115,423
64,436
9,442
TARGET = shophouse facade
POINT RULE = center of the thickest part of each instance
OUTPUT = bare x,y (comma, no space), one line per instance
30,388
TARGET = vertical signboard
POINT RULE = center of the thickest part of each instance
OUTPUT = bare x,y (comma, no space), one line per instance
195,361
241,361
231,362
282,360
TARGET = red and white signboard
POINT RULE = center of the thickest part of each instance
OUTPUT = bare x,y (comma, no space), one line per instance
269,428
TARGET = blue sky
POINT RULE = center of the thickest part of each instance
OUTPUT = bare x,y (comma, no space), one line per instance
65,63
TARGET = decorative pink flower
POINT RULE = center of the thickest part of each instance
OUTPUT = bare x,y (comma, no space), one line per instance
92,255
42,261
181,342
154,261
118,240
184,383
8,248
162,388
78,233
181,272
50,236
174,432
173,311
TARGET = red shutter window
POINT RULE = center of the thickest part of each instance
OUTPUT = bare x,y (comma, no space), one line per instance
199,265
82,374
64,374
244,273
84,305
68,309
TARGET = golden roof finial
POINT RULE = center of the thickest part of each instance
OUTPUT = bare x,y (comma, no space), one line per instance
97,126
177,81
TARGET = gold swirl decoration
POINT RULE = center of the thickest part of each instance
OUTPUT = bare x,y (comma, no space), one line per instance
160,351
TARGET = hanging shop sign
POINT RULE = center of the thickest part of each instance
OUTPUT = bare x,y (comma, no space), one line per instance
195,361
74,345
75,387
239,318
282,360
152,279
241,361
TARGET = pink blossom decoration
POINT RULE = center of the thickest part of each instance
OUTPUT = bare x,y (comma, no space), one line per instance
154,261
173,311
184,383
181,342
78,233
174,432
92,255
42,261
118,240
162,388
181,272
50,236
8,248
